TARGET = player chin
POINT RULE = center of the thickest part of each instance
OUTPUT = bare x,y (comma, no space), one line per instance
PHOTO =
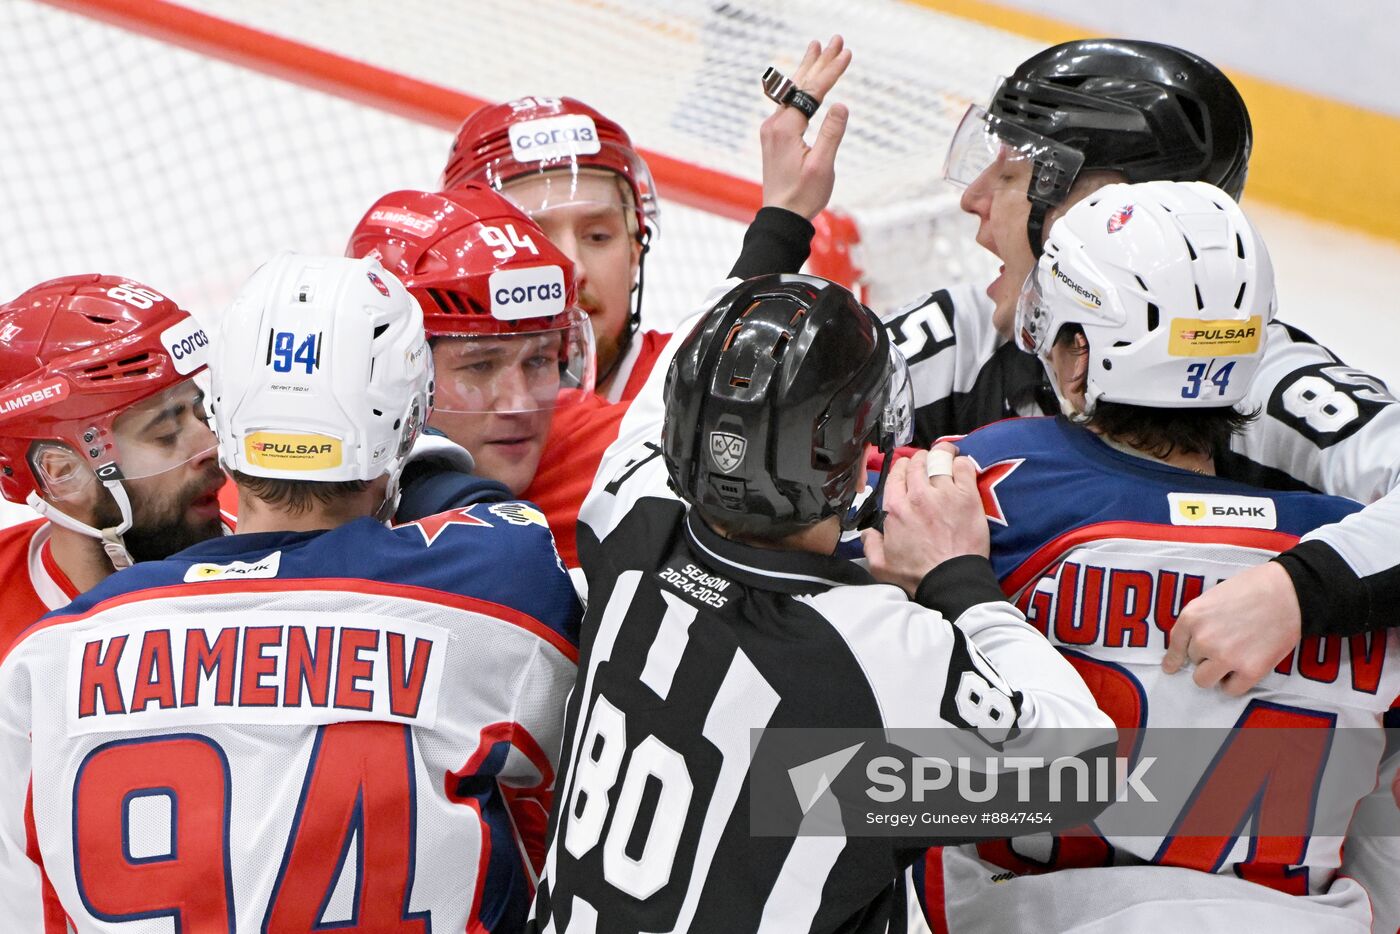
506,446
173,513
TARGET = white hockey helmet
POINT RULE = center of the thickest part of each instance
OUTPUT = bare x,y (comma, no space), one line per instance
321,372
1172,286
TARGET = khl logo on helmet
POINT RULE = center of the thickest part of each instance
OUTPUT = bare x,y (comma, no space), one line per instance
727,451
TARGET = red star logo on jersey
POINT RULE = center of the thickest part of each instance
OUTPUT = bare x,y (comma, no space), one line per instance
987,480
432,526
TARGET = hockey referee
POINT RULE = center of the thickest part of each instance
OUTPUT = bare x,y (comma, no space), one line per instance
718,607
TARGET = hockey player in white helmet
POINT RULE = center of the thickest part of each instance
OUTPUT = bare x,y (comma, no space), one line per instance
1066,122
297,725
316,412
1184,347
1149,311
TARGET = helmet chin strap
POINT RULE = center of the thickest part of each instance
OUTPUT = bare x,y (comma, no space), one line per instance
634,323
1067,408
634,317
111,537
871,515
385,513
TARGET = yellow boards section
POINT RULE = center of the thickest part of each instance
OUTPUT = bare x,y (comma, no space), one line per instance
1314,155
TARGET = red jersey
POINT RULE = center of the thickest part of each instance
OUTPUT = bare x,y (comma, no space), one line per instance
228,502
635,367
577,439
30,578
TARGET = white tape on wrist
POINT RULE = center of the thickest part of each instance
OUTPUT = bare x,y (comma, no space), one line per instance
940,464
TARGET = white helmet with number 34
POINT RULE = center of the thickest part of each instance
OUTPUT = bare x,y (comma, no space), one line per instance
1172,286
321,372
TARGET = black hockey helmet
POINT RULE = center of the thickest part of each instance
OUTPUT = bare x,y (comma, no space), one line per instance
770,402
1150,111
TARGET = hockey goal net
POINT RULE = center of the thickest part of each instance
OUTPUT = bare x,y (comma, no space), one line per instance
184,144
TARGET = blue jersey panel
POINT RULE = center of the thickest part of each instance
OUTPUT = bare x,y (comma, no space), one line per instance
498,552
1041,478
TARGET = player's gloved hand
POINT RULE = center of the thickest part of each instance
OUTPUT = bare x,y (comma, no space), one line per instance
796,176
1236,632
927,520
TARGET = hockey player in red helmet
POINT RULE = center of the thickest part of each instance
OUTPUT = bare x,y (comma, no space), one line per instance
513,352
509,342
797,181
102,431
578,175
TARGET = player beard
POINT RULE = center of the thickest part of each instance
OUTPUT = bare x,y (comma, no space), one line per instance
161,525
608,346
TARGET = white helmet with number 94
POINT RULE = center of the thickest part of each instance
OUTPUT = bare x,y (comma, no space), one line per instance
1172,286
321,372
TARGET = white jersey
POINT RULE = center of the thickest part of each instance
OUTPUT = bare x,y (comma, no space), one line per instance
1322,426
354,728
1102,566
1373,859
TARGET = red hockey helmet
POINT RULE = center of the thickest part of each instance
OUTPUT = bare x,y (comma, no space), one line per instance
481,268
77,352
555,137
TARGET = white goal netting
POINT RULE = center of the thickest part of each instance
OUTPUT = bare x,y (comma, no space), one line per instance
131,155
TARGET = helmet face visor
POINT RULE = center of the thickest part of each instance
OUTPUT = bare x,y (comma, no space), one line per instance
987,150
613,176
1033,317
154,436
520,373
159,434
897,420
